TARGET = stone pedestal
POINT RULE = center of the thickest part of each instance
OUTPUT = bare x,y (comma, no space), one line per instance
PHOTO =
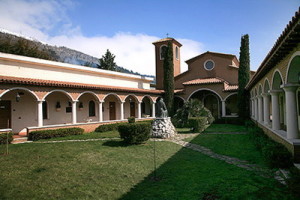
163,128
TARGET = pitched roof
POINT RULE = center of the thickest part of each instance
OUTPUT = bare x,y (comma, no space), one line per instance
50,83
231,56
286,42
167,39
204,81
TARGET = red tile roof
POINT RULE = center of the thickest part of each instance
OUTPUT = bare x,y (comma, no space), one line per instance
51,83
228,88
203,81
168,39
230,56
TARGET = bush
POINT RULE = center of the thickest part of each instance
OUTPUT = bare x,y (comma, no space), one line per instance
3,137
131,119
108,127
135,133
230,120
47,134
293,182
275,154
197,124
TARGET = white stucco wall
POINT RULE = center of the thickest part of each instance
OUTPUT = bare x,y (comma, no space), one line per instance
25,67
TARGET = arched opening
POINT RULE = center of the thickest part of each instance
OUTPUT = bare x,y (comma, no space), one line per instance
87,108
111,107
210,100
146,107
59,108
231,105
276,83
178,103
18,110
131,106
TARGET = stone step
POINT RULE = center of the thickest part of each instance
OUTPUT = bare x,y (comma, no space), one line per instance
17,139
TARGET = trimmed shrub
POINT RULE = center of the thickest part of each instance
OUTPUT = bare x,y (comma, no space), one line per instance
135,133
275,154
131,119
197,124
3,137
47,134
108,127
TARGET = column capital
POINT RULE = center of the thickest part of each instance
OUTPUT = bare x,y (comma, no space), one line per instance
75,101
265,94
275,92
100,102
290,87
40,101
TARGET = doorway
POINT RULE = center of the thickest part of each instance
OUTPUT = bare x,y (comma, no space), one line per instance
112,110
5,114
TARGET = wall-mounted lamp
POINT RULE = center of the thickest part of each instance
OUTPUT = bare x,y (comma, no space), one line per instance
18,97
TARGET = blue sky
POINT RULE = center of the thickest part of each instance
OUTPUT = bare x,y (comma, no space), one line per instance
128,27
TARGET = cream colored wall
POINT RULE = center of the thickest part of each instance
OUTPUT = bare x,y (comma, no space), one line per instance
24,112
49,70
127,109
83,114
54,116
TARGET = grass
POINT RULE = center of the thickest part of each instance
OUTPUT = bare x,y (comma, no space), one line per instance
225,128
112,170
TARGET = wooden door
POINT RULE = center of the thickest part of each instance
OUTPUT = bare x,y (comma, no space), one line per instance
112,110
132,109
5,114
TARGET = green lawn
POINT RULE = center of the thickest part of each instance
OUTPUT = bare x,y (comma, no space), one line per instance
225,128
111,170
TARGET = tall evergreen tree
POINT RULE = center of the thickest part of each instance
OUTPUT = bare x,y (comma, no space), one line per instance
243,77
107,61
169,79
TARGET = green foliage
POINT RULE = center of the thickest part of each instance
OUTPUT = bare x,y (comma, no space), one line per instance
109,127
47,134
243,78
169,79
134,133
293,182
3,138
197,124
275,154
131,119
192,108
108,61
230,120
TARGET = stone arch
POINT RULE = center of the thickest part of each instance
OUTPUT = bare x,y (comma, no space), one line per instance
204,89
277,80
231,104
260,90
266,87
152,101
20,88
229,95
131,106
146,108
293,69
88,92
61,91
132,95
178,102
255,92
113,94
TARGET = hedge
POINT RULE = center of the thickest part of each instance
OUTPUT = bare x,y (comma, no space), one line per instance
197,124
135,133
131,119
47,134
3,137
114,126
275,154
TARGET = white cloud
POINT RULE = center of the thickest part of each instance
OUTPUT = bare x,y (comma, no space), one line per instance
39,17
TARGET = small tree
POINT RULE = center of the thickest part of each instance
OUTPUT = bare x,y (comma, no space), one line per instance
243,78
107,61
169,79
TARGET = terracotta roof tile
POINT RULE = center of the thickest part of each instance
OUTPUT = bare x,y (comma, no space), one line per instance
51,83
228,88
203,81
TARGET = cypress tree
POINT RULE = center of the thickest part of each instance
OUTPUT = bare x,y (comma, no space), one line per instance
243,77
169,79
108,61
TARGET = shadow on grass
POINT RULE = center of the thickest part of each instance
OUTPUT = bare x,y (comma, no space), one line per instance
114,143
192,175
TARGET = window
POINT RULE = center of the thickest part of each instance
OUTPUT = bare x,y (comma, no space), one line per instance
209,65
69,107
177,53
92,109
163,51
45,110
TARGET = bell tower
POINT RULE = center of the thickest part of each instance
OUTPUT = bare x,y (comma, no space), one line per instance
160,48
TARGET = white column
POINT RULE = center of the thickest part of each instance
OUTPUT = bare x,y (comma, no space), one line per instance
223,108
74,112
153,109
275,109
256,108
40,113
100,111
122,110
266,100
139,110
260,108
252,107
291,111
